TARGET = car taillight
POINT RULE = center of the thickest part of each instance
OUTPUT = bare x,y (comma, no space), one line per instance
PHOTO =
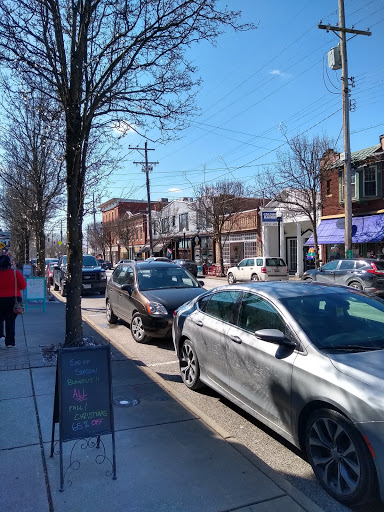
374,270
263,270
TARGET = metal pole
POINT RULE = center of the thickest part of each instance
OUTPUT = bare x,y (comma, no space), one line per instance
278,233
346,132
149,199
342,31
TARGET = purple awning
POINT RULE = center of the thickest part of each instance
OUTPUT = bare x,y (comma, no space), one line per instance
364,229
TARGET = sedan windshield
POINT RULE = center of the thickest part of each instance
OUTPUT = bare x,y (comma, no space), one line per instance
340,320
158,278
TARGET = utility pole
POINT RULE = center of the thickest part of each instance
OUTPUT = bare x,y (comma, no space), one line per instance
346,127
147,167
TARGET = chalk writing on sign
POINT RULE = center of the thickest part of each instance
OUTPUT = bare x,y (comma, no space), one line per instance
85,392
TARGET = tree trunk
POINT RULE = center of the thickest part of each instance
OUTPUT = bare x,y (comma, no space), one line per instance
75,188
40,248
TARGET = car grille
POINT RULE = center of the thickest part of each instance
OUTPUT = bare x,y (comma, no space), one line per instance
89,278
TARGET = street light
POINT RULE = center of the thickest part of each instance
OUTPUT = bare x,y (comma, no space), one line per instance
279,215
184,231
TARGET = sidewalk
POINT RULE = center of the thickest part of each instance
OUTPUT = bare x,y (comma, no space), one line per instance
168,459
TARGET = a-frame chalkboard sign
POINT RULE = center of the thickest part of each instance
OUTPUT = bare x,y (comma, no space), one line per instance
83,398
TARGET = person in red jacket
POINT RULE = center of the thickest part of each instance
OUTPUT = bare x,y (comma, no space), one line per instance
9,277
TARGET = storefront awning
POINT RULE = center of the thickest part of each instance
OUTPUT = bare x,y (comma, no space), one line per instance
158,247
145,248
364,229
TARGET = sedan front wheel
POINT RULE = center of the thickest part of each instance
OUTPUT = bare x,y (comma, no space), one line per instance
137,329
189,366
340,458
111,317
231,278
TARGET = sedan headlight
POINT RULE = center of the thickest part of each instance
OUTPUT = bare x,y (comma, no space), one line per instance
103,276
155,308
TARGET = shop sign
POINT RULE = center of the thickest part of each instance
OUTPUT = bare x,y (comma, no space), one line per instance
269,218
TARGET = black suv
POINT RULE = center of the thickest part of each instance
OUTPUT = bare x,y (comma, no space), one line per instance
145,294
94,278
188,265
362,273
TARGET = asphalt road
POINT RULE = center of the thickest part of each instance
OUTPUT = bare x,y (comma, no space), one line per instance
268,446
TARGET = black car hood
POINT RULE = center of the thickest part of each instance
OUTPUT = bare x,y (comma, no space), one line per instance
172,298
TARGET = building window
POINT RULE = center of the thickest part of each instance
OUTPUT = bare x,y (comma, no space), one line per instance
183,221
353,184
328,187
165,225
173,220
370,181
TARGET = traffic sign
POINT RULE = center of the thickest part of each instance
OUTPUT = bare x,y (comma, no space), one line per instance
2,244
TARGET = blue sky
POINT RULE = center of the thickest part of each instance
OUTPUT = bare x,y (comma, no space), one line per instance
260,83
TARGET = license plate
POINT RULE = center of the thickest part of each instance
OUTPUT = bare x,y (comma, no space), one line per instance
87,286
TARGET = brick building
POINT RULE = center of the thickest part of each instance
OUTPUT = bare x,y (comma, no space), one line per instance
367,184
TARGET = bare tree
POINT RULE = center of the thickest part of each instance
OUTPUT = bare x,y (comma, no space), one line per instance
32,163
109,233
95,238
11,209
297,179
161,227
217,207
108,63
125,230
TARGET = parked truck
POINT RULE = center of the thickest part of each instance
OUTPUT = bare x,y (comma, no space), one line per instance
94,278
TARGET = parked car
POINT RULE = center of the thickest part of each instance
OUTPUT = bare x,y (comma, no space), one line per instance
259,269
188,265
158,258
362,273
146,294
50,260
94,278
307,360
106,265
49,272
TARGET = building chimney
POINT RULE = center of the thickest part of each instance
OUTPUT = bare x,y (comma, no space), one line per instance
382,142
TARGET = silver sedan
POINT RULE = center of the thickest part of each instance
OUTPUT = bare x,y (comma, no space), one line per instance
306,359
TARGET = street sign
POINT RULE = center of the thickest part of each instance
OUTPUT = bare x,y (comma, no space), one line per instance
2,244
349,253
269,218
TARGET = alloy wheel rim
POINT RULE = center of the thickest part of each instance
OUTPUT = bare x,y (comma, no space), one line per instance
189,370
334,456
137,328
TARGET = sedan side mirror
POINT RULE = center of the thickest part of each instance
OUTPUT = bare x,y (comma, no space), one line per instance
128,288
274,336
201,283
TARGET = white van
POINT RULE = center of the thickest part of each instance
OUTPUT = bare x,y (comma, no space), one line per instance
259,269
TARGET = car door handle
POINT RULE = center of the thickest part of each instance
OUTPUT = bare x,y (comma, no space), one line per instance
236,339
199,323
